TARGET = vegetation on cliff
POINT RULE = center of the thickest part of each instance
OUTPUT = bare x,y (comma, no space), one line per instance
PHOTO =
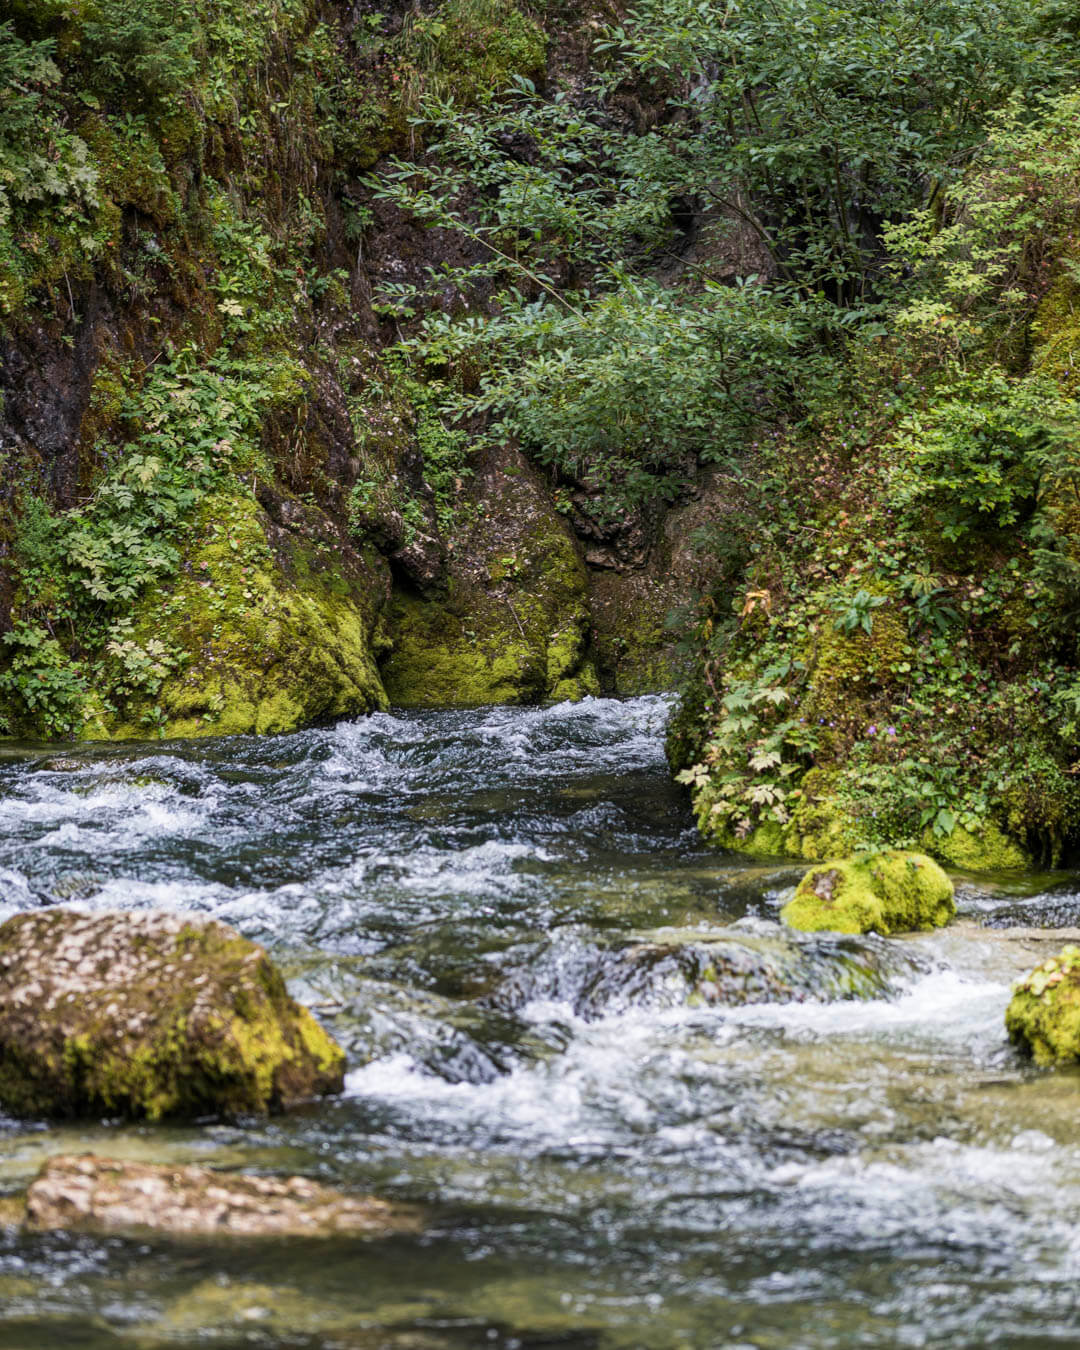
189,352
895,658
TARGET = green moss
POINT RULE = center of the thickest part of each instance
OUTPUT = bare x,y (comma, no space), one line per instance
846,668
512,628
885,893
438,657
275,638
151,1018
132,169
585,684
987,850
1056,330
569,676
1043,1016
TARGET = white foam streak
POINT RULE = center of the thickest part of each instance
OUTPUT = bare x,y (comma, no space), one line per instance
942,1006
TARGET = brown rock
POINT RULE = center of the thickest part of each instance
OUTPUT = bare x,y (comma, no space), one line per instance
103,1195
151,1015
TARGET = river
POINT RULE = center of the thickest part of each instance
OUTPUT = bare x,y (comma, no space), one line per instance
507,919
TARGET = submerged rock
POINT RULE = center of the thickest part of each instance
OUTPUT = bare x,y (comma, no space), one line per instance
150,1015
105,1195
886,893
1043,1016
754,961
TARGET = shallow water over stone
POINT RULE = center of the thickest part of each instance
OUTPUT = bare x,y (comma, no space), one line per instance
636,1113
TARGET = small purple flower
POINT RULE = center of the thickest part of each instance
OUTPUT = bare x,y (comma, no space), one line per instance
890,732
871,731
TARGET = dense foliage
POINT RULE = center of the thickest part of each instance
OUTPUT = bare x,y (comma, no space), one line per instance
901,660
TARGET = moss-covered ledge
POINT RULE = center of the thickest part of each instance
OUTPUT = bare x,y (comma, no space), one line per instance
272,628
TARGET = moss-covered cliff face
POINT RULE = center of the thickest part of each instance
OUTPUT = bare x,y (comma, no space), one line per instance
510,623
223,510
270,628
894,660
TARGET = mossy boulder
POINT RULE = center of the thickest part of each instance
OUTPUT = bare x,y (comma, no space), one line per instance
150,1015
886,893
274,626
1043,1016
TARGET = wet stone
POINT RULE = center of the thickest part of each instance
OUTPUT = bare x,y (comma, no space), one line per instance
153,1015
756,961
103,1195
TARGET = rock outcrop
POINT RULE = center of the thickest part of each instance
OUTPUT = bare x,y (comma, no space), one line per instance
885,893
277,627
104,1195
150,1015
513,624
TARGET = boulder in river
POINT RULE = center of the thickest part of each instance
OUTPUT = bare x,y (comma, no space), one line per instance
890,892
105,1195
1043,1016
150,1015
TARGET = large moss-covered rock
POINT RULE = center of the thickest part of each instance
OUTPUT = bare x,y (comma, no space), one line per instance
274,627
106,1195
150,1015
886,893
513,624
1043,1016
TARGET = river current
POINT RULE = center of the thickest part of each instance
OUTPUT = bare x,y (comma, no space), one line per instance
635,1115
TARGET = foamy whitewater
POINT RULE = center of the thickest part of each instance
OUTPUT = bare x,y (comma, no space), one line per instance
502,914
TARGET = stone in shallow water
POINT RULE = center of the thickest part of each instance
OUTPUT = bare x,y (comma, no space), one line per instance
890,892
150,1015
754,961
104,1195
1043,1016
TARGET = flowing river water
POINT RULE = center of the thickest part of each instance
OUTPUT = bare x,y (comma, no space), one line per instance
634,1113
